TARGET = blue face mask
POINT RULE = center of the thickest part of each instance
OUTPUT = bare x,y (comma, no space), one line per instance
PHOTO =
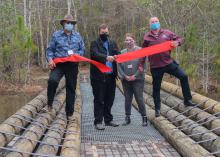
69,27
155,26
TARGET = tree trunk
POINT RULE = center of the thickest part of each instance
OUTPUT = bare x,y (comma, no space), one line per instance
25,12
75,13
43,61
27,77
69,6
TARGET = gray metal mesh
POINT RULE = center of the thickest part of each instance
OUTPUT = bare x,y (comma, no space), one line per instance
133,132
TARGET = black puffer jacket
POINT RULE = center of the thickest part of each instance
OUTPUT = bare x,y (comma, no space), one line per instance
99,53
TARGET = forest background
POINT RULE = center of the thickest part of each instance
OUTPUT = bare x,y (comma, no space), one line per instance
26,27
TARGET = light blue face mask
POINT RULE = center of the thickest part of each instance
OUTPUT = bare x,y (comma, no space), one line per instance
69,27
155,26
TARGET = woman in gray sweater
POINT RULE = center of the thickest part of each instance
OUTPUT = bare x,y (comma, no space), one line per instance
131,74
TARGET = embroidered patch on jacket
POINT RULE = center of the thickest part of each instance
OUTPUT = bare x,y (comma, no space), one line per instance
164,36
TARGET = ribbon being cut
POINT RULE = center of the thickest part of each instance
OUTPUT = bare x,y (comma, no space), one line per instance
151,50
77,58
155,49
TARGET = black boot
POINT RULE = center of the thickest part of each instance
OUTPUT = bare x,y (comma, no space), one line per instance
189,103
99,127
157,113
144,121
157,109
127,121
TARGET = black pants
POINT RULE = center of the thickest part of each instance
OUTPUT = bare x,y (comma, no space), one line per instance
104,95
135,88
70,70
173,69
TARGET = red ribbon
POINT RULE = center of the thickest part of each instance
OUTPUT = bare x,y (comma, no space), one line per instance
155,49
76,58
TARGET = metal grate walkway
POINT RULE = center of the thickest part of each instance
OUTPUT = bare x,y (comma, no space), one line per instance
132,132
132,140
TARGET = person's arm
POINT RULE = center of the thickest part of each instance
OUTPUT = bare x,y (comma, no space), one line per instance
121,73
145,44
95,54
178,41
50,52
81,49
141,67
51,48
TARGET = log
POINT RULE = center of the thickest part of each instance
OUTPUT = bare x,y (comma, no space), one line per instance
36,104
176,90
196,113
34,131
173,115
72,148
53,137
181,142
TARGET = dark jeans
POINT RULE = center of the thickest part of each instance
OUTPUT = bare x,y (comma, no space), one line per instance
135,88
104,95
70,70
173,69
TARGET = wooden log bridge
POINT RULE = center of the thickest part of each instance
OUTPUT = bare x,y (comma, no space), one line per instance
190,131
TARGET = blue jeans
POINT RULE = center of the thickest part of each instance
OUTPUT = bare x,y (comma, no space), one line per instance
172,69
70,71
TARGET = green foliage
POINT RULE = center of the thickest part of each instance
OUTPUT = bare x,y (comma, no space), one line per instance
186,62
15,50
191,37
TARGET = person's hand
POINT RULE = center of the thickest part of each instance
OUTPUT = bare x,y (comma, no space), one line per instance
127,78
51,64
110,58
132,78
140,68
174,43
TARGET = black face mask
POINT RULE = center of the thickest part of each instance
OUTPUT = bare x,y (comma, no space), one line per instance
104,37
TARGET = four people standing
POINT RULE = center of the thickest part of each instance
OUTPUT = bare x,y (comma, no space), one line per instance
66,42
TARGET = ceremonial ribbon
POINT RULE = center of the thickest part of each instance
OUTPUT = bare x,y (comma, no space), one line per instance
155,49
77,58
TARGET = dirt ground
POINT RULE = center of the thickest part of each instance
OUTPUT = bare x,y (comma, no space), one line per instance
38,82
